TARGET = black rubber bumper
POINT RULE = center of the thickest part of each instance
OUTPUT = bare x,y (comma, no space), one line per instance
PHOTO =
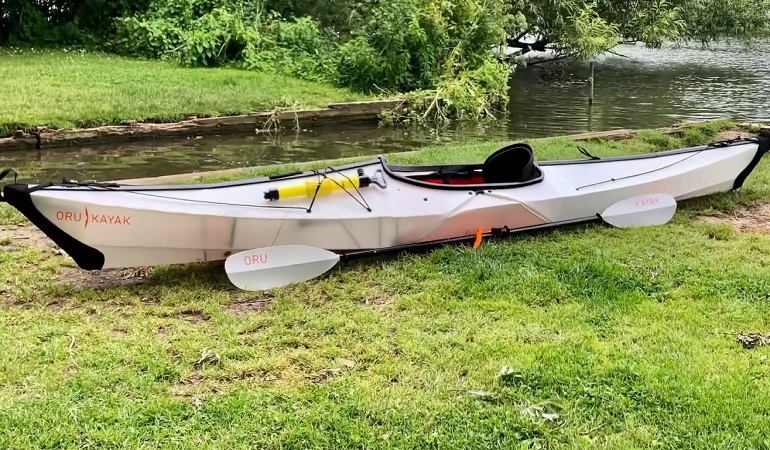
87,258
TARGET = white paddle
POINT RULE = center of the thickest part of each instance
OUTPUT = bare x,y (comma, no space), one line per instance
641,211
272,267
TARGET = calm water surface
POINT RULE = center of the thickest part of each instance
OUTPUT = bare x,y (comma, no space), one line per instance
642,89
646,88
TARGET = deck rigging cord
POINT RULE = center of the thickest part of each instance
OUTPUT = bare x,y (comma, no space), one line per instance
321,177
709,146
585,153
643,173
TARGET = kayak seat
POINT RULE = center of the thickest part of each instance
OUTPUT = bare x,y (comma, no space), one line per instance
514,163
452,178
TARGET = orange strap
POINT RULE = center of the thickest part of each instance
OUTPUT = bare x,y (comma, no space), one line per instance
479,233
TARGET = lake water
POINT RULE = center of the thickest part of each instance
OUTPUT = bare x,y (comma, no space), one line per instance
642,89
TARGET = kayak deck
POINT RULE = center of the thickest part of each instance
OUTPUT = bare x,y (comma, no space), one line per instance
366,206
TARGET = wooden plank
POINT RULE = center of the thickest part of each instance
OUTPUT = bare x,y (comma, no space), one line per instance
334,114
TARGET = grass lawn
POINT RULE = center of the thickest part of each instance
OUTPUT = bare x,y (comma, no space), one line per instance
68,89
612,339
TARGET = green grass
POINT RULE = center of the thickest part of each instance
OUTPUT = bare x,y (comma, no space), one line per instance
627,335
61,89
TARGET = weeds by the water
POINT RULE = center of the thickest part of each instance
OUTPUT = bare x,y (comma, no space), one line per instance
589,337
62,89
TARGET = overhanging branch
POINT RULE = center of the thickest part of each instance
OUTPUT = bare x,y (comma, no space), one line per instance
537,46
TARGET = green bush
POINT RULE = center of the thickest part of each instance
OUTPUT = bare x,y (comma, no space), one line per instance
398,46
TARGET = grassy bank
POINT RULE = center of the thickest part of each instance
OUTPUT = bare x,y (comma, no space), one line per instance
615,339
68,89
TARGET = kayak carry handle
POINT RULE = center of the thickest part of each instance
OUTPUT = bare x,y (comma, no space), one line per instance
4,174
327,185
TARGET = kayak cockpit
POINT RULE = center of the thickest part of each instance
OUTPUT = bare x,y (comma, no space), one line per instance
510,166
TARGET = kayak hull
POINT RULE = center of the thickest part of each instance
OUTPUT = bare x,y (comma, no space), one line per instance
366,206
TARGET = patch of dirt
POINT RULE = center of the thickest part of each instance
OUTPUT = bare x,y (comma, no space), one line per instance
323,375
251,306
731,134
193,316
28,235
101,279
190,388
261,376
374,302
193,379
119,332
748,220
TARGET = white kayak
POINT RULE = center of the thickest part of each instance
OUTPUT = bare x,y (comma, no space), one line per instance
368,206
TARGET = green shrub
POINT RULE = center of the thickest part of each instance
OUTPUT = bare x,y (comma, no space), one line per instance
427,47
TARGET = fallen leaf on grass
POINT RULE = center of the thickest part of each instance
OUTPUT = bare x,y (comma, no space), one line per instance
752,340
547,410
207,357
507,375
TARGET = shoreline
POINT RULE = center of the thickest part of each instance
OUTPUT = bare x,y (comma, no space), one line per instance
254,122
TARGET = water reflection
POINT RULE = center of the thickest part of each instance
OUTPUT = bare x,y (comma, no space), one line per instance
148,158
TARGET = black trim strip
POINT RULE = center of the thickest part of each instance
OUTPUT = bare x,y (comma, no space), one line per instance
495,234
88,258
464,187
679,151
764,147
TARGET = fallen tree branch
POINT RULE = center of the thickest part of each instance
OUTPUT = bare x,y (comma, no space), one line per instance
539,45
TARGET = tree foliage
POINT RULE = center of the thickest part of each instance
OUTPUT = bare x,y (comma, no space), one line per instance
423,46
62,22
587,28
438,48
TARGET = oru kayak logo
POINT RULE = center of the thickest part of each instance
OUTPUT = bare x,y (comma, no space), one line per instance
647,202
91,218
254,259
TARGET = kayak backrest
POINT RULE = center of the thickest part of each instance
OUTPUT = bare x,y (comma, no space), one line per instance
514,163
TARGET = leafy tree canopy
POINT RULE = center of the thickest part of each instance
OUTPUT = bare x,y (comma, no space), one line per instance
587,28
436,48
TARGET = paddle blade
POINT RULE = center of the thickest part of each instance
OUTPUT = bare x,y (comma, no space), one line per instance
272,267
641,211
